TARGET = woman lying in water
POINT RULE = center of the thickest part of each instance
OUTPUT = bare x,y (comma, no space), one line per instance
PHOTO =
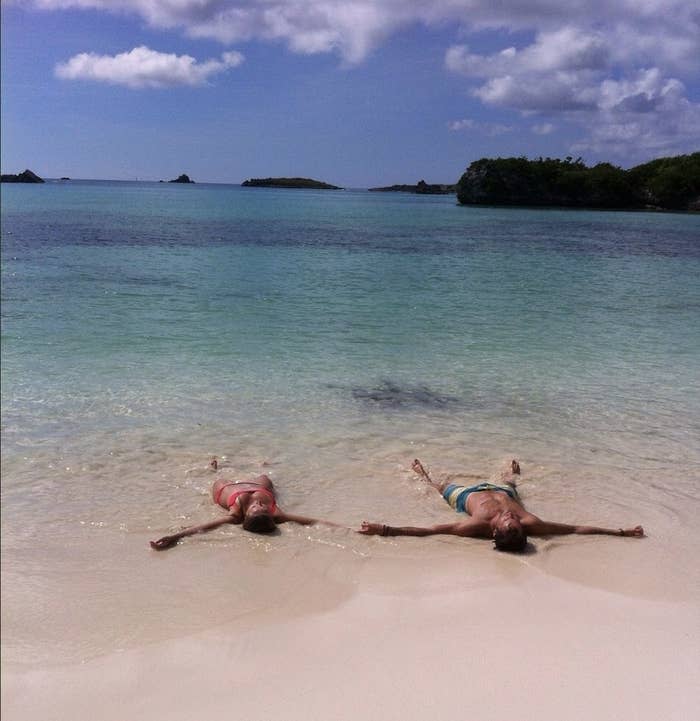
251,503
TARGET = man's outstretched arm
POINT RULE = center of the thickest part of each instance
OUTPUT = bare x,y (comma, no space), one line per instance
168,541
548,528
470,529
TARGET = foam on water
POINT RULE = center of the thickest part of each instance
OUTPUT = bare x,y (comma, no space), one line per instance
328,339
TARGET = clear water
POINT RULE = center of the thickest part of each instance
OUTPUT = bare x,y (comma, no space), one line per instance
334,336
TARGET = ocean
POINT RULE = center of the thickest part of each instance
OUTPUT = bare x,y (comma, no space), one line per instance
326,338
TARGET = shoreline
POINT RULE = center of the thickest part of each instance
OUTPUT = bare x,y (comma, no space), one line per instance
409,640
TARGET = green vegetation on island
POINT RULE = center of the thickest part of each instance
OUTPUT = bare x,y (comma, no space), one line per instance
421,188
26,177
664,184
308,183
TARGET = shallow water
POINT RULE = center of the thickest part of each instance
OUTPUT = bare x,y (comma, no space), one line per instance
328,339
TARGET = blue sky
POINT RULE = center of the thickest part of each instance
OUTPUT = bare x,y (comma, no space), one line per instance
357,93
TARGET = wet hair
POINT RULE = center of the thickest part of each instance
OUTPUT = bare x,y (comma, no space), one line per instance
510,539
259,523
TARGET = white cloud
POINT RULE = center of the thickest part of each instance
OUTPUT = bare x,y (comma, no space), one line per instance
556,92
458,125
648,114
145,68
577,75
585,61
662,31
558,71
490,129
563,50
542,128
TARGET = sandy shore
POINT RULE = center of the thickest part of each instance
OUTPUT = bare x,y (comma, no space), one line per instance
405,631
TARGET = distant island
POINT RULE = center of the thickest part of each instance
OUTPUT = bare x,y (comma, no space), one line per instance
308,183
182,179
26,177
664,184
421,187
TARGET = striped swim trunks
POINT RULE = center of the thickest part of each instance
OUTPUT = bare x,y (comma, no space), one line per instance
457,496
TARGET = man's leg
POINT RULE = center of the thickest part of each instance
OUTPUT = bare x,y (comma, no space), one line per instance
417,466
510,474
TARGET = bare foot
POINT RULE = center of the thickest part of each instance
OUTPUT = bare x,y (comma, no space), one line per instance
417,466
511,473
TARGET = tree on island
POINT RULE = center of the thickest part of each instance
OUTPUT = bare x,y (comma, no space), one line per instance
672,183
666,183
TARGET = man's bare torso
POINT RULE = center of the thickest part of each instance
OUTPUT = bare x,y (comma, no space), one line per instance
486,505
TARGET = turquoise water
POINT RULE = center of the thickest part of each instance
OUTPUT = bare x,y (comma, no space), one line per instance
332,337
142,305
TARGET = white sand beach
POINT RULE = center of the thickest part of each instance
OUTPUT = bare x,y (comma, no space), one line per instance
326,624
328,341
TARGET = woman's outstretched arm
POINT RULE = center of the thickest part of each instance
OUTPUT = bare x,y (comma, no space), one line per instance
168,541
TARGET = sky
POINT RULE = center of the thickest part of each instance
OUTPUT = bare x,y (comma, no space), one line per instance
358,93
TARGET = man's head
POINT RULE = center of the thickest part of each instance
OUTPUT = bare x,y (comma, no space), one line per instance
259,520
509,534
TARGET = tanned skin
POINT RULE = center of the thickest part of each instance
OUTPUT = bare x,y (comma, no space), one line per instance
257,499
490,511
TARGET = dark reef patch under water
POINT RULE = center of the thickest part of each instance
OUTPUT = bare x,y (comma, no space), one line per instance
388,394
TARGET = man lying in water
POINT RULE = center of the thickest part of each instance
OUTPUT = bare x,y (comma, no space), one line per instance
251,503
495,511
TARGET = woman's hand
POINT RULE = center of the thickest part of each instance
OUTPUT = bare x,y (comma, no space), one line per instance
163,543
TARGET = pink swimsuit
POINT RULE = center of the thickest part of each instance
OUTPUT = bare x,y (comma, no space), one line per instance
256,488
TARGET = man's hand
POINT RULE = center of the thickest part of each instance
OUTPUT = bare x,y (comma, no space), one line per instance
636,532
372,529
163,543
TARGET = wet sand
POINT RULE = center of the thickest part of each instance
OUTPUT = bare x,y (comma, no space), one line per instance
334,625
319,623
531,646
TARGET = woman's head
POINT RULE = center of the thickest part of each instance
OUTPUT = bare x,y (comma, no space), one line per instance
259,520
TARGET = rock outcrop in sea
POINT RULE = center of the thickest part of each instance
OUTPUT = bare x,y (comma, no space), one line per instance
308,183
421,188
182,179
25,177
